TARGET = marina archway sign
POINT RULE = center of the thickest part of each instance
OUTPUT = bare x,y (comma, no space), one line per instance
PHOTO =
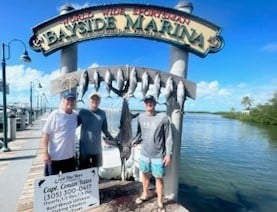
172,26
128,20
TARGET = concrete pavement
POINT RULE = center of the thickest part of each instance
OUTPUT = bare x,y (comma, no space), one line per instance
16,164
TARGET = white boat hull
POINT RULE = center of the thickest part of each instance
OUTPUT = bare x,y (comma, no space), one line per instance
111,168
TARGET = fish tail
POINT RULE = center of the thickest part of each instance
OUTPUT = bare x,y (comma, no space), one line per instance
131,96
81,100
164,103
180,111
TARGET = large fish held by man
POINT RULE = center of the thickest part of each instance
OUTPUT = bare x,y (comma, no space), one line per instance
124,136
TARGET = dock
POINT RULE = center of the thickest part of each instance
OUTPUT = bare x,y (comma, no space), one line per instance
22,165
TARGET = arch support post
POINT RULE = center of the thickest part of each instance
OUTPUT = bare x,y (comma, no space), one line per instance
178,66
69,56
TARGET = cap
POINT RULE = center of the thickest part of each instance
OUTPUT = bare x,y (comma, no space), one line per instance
95,95
149,98
69,95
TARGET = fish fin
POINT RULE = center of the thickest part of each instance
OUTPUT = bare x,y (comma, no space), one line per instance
164,103
134,115
117,140
115,90
131,96
122,92
181,111
126,87
110,142
81,100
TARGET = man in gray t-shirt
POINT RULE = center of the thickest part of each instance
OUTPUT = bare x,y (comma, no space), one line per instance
93,122
155,136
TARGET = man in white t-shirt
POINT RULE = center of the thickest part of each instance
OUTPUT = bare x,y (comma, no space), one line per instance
58,138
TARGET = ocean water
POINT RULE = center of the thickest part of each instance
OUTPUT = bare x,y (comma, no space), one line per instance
227,165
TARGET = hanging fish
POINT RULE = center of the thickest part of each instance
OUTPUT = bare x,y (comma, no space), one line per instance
132,82
123,92
108,81
181,95
157,86
120,79
144,83
96,80
124,136
168,88
84,81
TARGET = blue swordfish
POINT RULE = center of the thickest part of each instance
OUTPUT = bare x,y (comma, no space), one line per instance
124,136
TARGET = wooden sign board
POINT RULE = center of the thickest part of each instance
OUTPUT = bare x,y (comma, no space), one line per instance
73,191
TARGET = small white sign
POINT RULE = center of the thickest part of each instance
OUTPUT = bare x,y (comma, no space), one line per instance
73,191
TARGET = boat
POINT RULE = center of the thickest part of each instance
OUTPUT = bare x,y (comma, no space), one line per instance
111,167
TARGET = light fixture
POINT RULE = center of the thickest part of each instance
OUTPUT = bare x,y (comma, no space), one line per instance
24,57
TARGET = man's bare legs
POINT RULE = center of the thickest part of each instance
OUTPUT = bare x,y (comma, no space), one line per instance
145,185
159,190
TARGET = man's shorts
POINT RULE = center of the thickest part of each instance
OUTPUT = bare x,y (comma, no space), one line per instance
89,161
152,165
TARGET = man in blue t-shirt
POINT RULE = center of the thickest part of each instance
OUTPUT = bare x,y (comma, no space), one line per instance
93,122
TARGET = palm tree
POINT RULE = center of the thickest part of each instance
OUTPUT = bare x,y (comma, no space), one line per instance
247,102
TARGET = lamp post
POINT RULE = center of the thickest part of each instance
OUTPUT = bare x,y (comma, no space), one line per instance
25,58
31,100
44,102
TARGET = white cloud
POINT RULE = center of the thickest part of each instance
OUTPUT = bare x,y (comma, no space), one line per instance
94,65
76,6
212,97
271,47
80,6
19,79
211,90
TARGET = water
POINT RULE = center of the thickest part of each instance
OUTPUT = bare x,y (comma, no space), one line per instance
227,165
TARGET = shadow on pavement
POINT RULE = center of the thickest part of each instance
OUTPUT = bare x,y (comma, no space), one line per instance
18,158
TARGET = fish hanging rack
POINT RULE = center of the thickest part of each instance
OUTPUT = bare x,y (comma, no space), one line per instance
71,80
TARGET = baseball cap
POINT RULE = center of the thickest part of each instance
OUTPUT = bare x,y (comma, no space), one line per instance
69,95
149,98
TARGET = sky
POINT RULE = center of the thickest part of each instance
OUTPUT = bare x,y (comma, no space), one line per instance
246,66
